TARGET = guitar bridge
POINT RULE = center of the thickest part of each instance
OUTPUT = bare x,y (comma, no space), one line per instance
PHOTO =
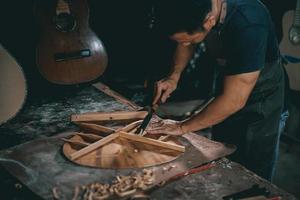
58,57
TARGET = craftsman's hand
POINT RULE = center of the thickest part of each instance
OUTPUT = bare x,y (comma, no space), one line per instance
163,89
168,127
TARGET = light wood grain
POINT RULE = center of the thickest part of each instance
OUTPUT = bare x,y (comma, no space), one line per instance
153,142
90,136
76,142
123,153
93,146
108,116
131,127
104,88
95,128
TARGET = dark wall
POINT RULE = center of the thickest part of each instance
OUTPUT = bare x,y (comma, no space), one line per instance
135,52
277,9
18,33
133,49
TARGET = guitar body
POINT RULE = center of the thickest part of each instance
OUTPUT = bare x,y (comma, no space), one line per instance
13,87
68,55
290,50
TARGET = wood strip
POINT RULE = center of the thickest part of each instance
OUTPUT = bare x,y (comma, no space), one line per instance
79,143
131,126
164,137
153,142
120,98
93,146
97,116
89,136
95,127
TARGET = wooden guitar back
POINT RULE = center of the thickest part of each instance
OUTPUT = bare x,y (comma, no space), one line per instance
58,52
287,48
13,87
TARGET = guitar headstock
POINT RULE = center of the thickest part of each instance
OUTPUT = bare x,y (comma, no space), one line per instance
64,20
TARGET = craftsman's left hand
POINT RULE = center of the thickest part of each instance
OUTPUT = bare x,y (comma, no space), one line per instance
168,127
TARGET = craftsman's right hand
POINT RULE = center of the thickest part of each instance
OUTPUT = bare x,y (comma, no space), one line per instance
163,90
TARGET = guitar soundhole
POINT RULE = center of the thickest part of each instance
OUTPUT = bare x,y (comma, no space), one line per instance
294,35
65,22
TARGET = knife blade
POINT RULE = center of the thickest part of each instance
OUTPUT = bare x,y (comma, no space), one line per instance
146,120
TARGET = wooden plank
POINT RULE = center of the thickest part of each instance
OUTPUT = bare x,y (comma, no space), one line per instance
105,89
152,142
108,116
93,146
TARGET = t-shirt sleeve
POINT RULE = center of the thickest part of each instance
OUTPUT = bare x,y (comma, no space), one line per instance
246,49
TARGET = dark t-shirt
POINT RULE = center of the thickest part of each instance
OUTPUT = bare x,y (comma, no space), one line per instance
247,35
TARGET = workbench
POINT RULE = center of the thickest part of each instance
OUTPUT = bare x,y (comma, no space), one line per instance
44,117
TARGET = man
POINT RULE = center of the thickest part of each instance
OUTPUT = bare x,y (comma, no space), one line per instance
239,34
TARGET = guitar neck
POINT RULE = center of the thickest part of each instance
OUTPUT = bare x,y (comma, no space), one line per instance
297,15
62,7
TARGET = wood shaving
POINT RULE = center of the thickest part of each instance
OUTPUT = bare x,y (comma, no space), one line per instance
55,193
139,196
76,193
122,186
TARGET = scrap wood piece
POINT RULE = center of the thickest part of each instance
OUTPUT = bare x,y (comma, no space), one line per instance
153,142
93,146
105,89
108,116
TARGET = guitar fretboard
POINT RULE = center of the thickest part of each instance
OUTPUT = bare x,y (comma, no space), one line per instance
62,7
297,14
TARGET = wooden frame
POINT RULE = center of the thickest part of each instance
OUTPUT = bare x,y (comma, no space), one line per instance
93,146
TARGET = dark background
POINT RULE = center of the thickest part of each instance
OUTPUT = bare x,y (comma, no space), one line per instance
135,52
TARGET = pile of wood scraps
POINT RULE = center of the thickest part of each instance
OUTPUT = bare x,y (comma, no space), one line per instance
122,186
117,145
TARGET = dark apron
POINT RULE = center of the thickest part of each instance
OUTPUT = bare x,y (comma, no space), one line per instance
253,129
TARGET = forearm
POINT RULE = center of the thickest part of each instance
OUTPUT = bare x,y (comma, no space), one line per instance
182,56
217,111
236,91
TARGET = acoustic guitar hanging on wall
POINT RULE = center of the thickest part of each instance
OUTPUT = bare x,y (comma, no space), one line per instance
68,51
290,45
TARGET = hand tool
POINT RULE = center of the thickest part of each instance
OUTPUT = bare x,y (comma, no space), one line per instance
147,119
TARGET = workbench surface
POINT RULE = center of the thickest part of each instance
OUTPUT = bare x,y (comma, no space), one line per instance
45,116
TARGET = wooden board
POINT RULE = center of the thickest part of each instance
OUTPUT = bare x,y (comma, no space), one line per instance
105,89
109,116
121,152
